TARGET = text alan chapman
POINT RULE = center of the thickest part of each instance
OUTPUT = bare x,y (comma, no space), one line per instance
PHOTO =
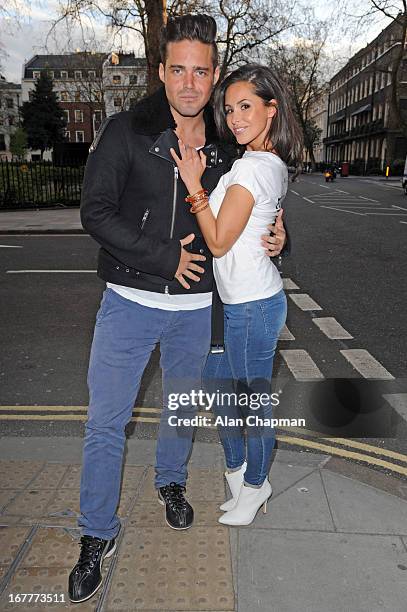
253,420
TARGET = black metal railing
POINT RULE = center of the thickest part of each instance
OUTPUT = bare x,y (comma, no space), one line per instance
39,184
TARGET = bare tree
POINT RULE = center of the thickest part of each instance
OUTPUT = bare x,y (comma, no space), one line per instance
301,64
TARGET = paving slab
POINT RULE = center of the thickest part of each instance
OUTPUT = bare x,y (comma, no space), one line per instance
302,506
357,507
320,572
17,474
49,477
283,475
48,220
11,540
153,514
160,569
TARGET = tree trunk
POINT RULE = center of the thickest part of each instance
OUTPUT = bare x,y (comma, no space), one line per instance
156,17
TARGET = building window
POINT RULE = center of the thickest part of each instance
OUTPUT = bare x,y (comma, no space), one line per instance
117,79
10,102
133,79
98,115
98,96
30,95
92,74
51,74
80,136
64,74
78,74
77,96
78,116
67,135
66,113
10,120
117,101
64,96
36,74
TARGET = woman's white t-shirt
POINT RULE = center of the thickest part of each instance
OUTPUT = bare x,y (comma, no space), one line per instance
245,273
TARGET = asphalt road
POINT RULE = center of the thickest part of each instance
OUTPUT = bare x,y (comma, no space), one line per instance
349,255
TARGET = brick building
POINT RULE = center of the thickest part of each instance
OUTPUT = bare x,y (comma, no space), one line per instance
361,129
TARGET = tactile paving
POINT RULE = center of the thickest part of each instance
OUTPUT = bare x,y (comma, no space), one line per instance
203,484
17,474
11,540
7,495
131,476
161,569
51,548
44,580
72,478
32,502
67,501
149,514
49,477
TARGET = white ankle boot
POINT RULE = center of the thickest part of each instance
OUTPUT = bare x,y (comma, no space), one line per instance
235,481
247,505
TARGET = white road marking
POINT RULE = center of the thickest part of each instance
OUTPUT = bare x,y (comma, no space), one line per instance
387,215
399,207
50,271
366,364
296,192
286,334
304,301
9,246
370,199
46,235
341,191
398,401
301,364
308,200
331,328
324,186
341,210
405,222
289,284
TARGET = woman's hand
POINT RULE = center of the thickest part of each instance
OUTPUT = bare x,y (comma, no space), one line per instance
274,244
191,166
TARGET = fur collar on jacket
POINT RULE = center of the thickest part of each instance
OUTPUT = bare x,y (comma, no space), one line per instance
152,116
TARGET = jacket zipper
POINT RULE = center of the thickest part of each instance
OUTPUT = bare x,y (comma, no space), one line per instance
174,208
144,219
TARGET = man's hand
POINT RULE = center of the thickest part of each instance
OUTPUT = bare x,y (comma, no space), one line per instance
274,244
186,267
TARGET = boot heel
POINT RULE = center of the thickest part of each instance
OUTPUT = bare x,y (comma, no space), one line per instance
265,507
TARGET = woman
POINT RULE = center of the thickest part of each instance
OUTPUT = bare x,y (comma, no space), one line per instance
251,105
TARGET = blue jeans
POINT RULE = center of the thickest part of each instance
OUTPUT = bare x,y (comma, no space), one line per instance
125,335
244,370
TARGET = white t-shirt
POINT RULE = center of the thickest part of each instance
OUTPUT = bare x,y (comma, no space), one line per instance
245,273
164,301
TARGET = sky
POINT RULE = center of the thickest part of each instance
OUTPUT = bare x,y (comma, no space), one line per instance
20,41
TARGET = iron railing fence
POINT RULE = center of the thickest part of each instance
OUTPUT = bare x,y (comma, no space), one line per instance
39,184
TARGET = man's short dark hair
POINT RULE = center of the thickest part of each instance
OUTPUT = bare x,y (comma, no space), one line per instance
189,27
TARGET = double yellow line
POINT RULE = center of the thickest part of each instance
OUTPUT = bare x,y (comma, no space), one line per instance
365,453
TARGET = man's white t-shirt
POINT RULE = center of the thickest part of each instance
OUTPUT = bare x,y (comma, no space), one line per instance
245,273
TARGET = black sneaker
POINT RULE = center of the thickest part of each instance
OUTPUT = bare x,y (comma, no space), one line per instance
178,512
86,577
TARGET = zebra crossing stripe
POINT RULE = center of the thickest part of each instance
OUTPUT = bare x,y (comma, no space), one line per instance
398,401
304,301
332,329
289,284
286,334
366,364
301,364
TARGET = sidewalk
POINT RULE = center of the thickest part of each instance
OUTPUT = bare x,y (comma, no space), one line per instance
328,543
60,220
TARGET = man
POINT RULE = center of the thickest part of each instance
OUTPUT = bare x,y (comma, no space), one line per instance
159,283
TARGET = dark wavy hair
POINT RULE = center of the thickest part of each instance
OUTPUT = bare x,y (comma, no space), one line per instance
189,27
285,135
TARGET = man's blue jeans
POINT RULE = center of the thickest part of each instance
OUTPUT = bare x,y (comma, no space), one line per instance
243,371
125,335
